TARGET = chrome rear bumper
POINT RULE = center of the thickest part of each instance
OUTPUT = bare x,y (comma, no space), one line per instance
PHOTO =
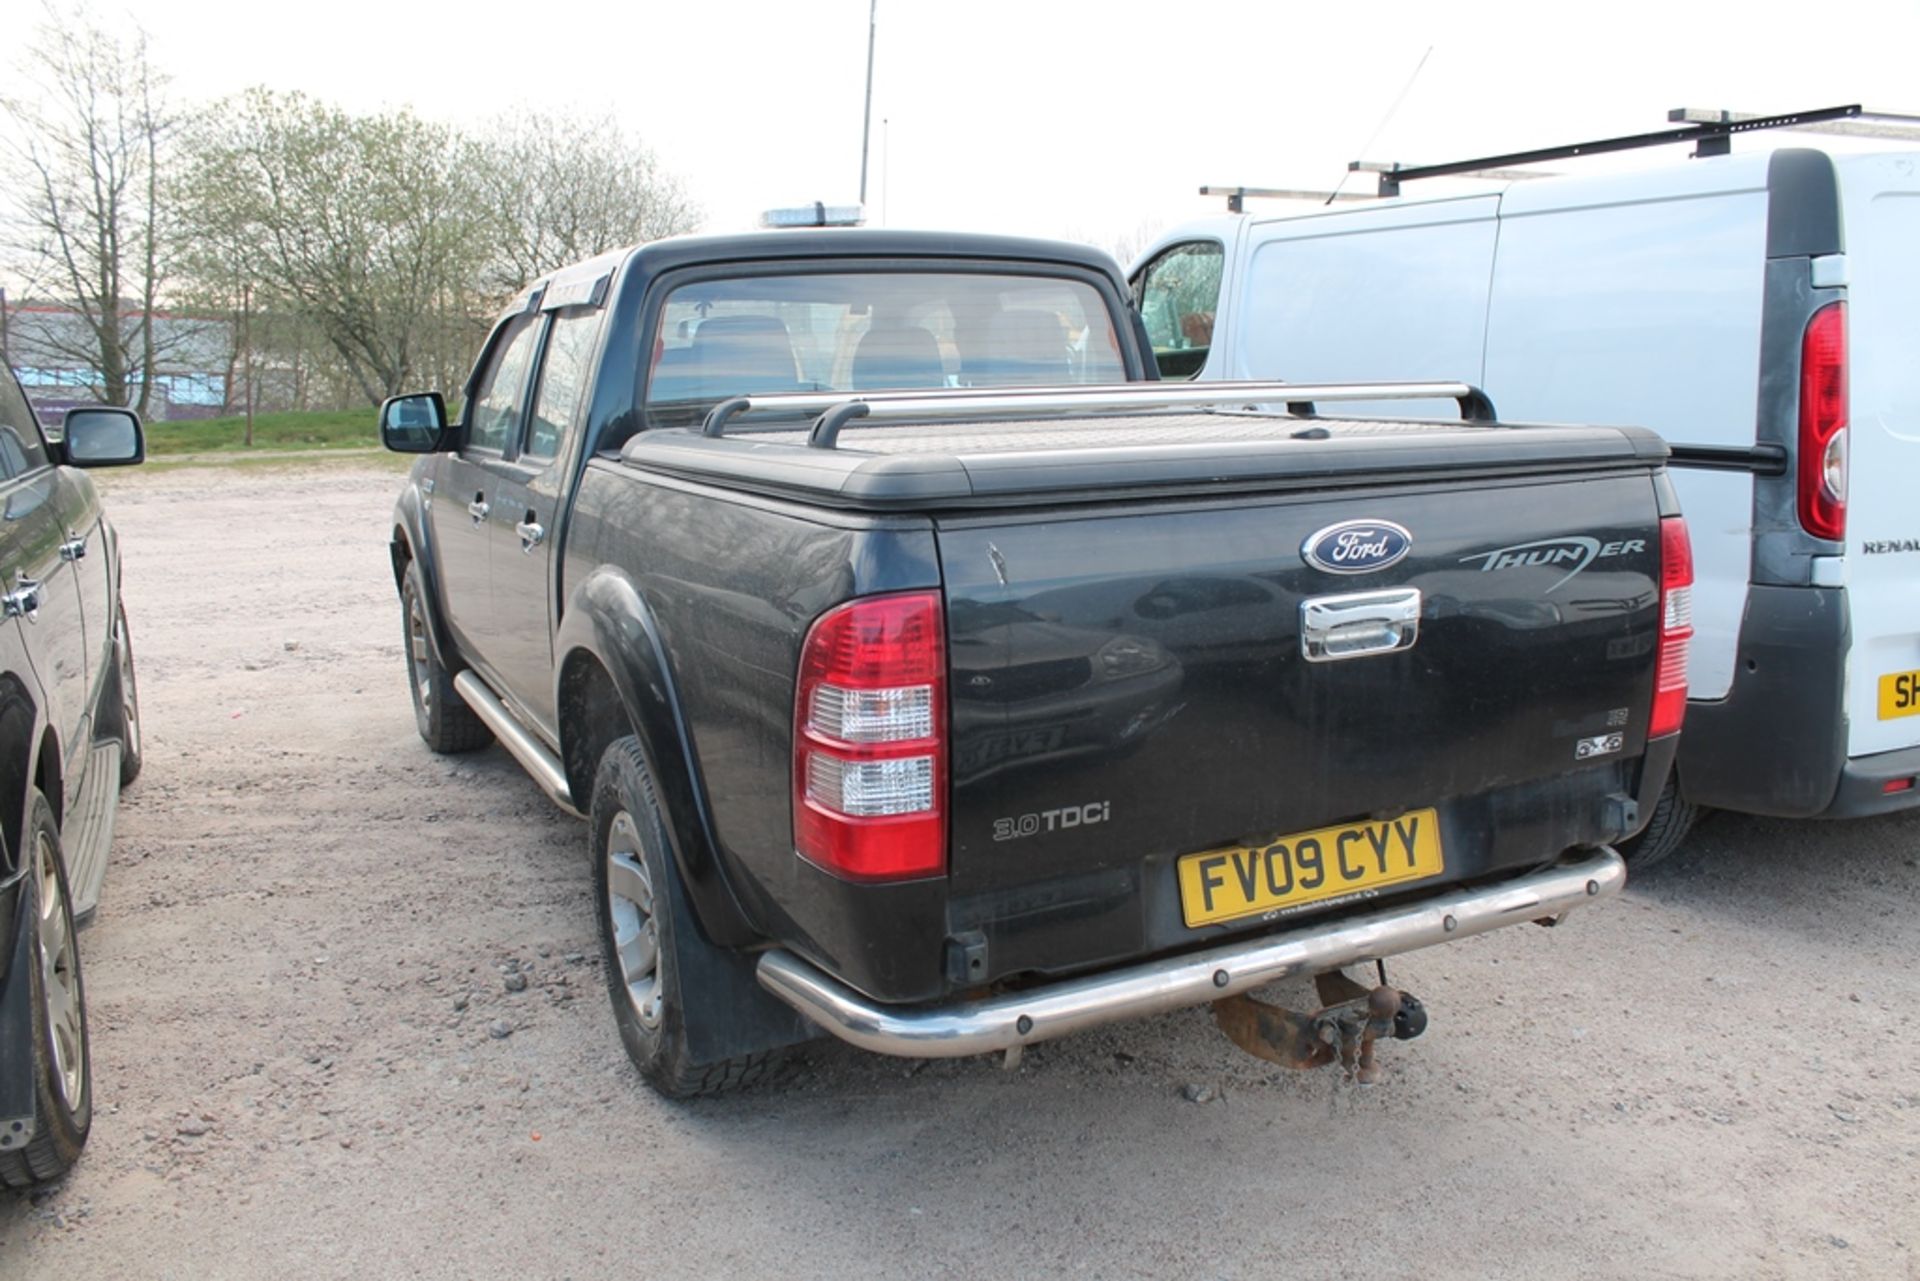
1072,1005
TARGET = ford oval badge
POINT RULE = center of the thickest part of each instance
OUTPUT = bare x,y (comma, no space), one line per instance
1357,546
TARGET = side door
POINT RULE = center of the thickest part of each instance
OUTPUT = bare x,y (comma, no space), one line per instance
77,505
529,504
462,510
40,588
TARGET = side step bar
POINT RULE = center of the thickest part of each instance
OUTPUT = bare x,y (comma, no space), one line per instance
1073,1005
86,835
533,755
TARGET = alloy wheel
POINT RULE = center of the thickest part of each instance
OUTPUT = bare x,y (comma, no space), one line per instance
636,934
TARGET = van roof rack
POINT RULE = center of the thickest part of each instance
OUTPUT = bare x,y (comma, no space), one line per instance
1713,137
1868,124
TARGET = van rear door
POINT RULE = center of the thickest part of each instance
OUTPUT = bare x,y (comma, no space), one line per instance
1881,197
1636,298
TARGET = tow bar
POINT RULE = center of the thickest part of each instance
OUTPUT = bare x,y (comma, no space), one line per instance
1344,1030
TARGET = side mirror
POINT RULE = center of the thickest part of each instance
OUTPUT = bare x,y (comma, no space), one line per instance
414,424
102,437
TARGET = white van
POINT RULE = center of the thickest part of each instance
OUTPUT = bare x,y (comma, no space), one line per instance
1760,311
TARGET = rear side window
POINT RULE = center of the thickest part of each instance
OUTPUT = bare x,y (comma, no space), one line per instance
1177,294
867,331
21,449
498,396
557,406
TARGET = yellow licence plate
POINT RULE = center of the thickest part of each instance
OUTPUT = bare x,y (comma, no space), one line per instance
1899,695
1309,867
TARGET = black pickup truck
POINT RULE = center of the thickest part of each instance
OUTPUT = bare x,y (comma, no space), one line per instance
931,676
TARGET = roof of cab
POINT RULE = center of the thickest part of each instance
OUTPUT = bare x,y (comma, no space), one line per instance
864,242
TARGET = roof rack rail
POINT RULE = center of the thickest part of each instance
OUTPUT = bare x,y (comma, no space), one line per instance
837,409
1714,138
1869,124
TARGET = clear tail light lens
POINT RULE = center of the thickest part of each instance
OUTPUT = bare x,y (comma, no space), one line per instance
1676,629
870,752
1821,492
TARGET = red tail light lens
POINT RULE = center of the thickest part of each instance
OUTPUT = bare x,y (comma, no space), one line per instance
1676,629
869,740
1822,488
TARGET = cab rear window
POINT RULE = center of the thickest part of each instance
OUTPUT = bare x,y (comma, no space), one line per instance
872,331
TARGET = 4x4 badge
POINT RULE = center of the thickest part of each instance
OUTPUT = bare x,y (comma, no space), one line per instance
1356,546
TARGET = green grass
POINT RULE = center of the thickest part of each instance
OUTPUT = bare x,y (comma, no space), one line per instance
355,429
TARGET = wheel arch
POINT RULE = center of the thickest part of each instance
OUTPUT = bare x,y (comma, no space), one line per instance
613,678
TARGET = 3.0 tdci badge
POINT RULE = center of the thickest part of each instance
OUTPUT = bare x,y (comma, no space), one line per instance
1357,546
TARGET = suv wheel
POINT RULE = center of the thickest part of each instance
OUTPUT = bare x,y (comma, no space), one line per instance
129,697
62,1060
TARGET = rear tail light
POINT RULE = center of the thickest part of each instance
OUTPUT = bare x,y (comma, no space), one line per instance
1822,486
1676,629
869,740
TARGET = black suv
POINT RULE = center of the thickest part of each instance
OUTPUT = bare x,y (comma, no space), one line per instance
69,741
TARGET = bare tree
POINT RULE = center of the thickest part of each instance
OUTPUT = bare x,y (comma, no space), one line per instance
360,226
89,122
560,188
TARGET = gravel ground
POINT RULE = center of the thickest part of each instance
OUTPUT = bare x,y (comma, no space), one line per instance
309,1062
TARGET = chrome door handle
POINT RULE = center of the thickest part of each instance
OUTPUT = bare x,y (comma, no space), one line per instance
23,600
1359,624
75,548
478,509
530,533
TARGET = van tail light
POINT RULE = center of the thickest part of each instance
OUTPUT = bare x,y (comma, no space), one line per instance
1676,629
1822,488
870,740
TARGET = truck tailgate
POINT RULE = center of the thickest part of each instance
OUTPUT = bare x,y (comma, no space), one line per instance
1129,682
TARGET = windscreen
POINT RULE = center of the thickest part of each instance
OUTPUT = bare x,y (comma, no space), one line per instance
872,331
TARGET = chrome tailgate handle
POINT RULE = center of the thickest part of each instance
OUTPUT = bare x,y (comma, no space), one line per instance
1359,624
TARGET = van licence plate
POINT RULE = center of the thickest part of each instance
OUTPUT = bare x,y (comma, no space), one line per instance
1309,867
1899,695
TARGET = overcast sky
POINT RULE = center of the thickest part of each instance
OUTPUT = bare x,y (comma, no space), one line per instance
1047,116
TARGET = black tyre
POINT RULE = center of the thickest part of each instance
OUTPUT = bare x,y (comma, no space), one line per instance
62,1059
643,919
129,697
1673,817
443,717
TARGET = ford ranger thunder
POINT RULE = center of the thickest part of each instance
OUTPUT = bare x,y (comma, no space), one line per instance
929,674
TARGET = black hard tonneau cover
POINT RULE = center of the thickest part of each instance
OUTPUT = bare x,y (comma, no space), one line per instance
945,464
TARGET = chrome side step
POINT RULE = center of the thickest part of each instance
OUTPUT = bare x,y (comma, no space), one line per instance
1017,1019
521,744
86,834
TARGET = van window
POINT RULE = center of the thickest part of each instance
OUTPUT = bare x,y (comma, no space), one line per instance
1177,294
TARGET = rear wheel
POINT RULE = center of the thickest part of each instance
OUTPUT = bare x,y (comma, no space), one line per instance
443,717
1673,817
642,916
62,1060
129,698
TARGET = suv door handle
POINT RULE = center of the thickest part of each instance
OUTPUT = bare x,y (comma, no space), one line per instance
24,599
478,508
75,548
531,534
